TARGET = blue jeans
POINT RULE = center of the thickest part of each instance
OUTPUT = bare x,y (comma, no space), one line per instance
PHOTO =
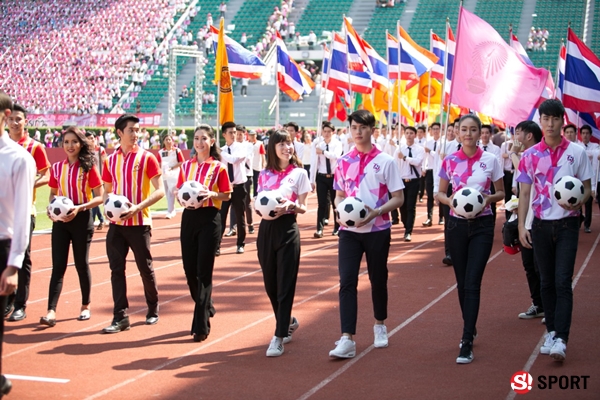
97,213
470,244
555,248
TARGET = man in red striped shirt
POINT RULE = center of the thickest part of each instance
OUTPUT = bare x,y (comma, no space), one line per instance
131,171
17,121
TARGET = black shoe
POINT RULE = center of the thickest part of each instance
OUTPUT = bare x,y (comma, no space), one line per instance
118,326
5,385
325,222
395,221
152,320
318,234
211,309
231,232
588,230
427,223
10,307
250,229
47,321
335,233
407,237
18,315
447,260
199,337
466,352
218,252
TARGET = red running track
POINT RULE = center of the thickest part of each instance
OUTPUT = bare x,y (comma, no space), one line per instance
424,323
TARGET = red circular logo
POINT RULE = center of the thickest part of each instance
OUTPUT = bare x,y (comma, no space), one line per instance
521,382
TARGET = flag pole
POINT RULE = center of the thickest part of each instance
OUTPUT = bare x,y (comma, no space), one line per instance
557,73
348,61
324,89
399,80
390,90
445,123
277,91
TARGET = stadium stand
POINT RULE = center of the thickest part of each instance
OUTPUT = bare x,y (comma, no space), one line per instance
322,16
252,18
595,45
383,18
432,14
500,14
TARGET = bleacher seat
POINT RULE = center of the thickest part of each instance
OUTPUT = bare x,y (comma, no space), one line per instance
431,15
383,18
500,14
322,16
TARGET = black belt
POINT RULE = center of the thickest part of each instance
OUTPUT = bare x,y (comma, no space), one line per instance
238,184
325,175
410,180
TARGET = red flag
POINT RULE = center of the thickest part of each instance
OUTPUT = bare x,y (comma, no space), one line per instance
337,108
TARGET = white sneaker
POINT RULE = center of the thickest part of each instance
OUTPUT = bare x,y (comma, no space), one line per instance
381,337
548,343
293,326
275,347
559,350
344,348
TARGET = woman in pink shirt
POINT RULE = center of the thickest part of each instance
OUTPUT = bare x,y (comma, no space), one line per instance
470,240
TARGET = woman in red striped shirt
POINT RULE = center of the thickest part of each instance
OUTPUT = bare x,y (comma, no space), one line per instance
201,227
77,178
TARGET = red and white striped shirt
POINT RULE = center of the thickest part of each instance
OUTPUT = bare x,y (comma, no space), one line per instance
73,182
130,176
36,149
211,173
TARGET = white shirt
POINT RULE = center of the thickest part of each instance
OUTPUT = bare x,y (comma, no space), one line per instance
416,160
249,157
235,155
299,149
17,177
451,147
318,161
429,158
257,164
592,150
506,162
492,148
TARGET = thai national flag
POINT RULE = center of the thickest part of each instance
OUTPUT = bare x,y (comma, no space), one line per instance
242,63
392,52
379,74
438,47
451,48
338,76
358,58
581,90
414,59
325,69
515,44
293,80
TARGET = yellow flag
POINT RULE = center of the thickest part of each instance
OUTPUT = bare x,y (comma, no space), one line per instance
430,88
223,79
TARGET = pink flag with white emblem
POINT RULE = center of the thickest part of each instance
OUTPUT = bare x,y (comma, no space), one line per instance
491,77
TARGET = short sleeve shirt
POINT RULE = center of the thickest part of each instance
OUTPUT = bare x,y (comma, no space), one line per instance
478,172
130,176
73,182
210,173
292,181
36,149
368,176
542,167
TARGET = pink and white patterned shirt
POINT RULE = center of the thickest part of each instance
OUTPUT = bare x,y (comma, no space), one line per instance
292,182
368,176
541,167
478,172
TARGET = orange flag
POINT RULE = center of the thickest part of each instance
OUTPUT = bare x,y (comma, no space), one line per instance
223,80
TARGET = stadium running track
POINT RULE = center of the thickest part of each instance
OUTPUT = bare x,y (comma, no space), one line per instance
75,360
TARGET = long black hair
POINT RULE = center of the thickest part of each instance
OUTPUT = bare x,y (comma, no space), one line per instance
215,150
272,159
86,153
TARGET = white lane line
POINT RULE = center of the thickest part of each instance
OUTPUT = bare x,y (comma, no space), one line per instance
36,378
366,351
536,351
218,340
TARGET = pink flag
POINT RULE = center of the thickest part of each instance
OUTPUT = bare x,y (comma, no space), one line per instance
491,77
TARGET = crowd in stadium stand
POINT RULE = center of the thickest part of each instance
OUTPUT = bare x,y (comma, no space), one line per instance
80,52
537,39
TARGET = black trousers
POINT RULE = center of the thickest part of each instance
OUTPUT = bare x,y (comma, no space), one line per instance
587,221
352,246
446,211
238,204
199,237
421,187
22,294
119,240
278,245
507,180
324,189
408,209
255,181
248,208
4,250
430,199
532,273
79,232
471,242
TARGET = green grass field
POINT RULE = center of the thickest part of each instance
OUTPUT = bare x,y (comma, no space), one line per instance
42,220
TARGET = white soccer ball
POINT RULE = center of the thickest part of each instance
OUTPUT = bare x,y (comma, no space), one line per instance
59,207
568,191
468,202
189,194
265,203
351,211
115,206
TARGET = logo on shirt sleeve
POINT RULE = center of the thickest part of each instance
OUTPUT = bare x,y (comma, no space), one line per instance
376,167
570,159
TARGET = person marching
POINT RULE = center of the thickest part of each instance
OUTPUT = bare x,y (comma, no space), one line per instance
369,174
592,151
78,179
430,163
17,121
170,159
131,171
278,241
201,228
470,240
555,229
17,177
99,158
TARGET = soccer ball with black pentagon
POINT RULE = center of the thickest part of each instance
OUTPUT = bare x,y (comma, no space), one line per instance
115,206
351,211
265,204
59,208
189,194
568,190
467,203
